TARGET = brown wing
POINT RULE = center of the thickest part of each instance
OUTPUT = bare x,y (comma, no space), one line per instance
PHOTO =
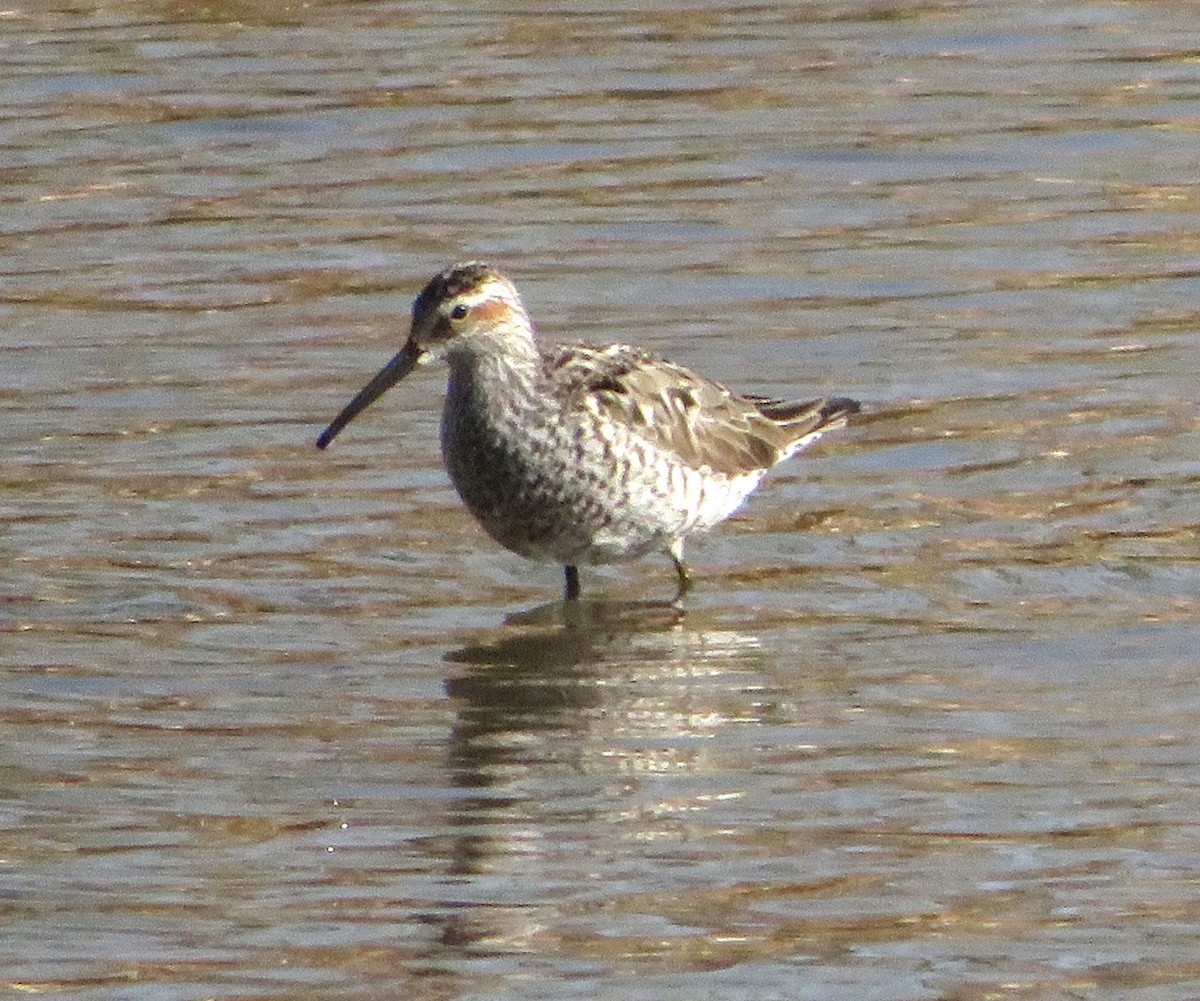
699,420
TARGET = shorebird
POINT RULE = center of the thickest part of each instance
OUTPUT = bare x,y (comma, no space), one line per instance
576,454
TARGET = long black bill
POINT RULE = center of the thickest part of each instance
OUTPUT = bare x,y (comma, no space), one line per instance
388,376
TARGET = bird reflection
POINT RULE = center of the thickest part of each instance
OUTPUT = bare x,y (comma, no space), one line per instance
558,728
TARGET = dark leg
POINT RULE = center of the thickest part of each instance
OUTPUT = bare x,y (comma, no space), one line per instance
572,591
683,572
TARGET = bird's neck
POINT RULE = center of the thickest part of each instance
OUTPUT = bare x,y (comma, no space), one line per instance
492,376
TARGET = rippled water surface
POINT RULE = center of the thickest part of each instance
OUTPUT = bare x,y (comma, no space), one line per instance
283,724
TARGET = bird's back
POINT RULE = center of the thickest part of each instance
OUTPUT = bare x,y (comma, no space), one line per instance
694,420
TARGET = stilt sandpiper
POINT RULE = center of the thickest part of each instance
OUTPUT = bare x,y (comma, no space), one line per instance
575,454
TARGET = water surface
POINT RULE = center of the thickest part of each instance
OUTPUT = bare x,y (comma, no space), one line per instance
284,724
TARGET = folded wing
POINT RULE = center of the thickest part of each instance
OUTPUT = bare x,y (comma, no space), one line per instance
700,421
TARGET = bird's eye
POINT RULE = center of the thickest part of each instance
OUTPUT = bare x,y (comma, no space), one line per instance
459,312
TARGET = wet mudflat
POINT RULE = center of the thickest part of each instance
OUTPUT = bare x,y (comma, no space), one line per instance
284,724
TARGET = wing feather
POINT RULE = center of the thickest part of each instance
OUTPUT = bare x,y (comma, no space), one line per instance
700,421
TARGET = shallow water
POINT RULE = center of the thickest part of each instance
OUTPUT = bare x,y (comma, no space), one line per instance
283,724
